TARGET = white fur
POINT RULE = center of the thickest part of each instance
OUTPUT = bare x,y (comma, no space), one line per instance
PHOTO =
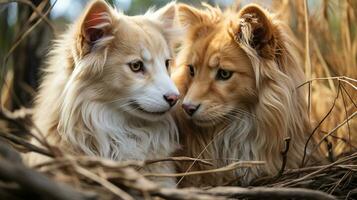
70,110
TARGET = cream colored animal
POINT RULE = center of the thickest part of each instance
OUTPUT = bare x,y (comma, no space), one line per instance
106,90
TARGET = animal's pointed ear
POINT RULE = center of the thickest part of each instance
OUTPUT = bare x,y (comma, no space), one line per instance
189,16
167,15
94,32
96,24
256,29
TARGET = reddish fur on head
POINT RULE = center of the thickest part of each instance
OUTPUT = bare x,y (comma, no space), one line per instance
249,115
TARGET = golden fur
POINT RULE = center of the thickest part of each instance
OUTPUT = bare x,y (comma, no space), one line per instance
248,116
85,103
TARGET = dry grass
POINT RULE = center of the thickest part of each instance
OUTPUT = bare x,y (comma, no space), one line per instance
328,36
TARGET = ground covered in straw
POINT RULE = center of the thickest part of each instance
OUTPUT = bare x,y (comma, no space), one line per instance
66,177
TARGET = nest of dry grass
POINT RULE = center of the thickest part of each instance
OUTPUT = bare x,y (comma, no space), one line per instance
68,177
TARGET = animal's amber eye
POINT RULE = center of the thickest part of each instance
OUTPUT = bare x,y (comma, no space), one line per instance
136,66
192,70
168,63
223,74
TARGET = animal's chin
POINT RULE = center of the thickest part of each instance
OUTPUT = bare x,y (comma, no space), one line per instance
139,111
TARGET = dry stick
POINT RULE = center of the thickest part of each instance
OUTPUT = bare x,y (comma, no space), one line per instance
37,182
347,158
339,181
2,80
338,78
185,194
308,67
22,37
13,118
309,101
111,187
284,155
89,160
300,171
343,140
44,142
349,96
271,193
179,158
353,86
348,78
6,115
230,167
33,7
336,128
199,155
34,181
311,169
24,143
315,129
346,114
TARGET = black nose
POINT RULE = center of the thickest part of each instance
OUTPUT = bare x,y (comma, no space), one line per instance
171,99
190,109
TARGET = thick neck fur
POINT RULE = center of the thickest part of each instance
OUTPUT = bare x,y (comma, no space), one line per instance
258,134
102,130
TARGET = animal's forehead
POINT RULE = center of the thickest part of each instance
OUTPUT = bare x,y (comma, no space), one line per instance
219,51
144,39
209,50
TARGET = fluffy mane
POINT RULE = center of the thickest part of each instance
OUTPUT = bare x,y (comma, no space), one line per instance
279,110
77,110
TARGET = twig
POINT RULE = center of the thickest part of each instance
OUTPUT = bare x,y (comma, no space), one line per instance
346,115
185,194
200,154
112,188
315,129
230,167
14,46
271,193
349,96
34,8
242,193
181,158
308,67
284,155
24,143
351,157
336,128
348,173
36,182
92,161
338,78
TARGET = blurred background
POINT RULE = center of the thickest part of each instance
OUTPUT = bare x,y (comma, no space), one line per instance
27,28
